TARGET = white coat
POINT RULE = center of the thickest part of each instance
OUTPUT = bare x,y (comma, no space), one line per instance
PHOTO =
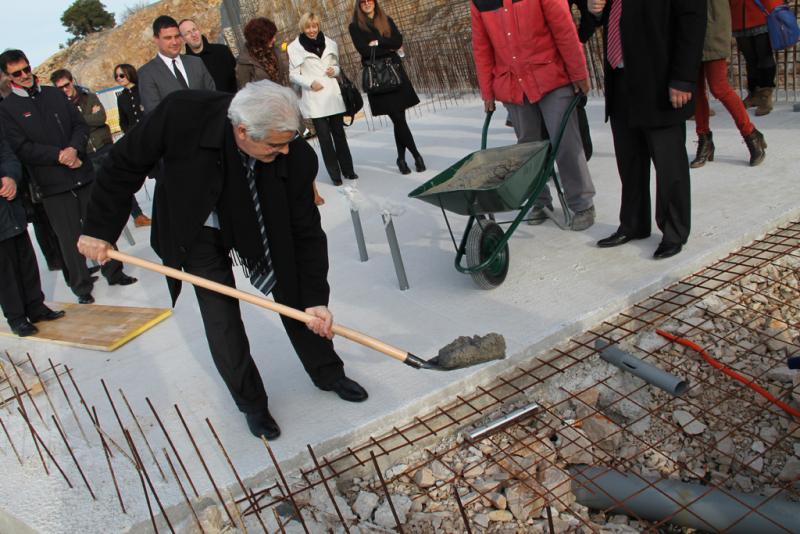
305,68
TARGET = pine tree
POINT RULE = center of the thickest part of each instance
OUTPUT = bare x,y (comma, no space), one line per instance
86,16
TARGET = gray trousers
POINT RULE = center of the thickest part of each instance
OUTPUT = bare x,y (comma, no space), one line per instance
527,120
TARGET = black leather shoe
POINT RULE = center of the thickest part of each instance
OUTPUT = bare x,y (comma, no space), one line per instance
49,315
667,250
419,163
353,176
86,299
24,329
262,424
347,389
616,239
336,181
123,280
403,166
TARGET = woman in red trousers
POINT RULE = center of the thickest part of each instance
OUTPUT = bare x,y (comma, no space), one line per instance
714,69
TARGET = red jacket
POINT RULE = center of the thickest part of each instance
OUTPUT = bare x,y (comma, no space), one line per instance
525,48
746,14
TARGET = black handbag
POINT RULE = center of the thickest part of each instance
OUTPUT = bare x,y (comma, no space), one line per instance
380,75
351,96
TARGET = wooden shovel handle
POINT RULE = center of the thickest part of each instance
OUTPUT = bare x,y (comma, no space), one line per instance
349,333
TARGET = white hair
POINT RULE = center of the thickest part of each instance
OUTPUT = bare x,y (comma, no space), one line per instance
265,106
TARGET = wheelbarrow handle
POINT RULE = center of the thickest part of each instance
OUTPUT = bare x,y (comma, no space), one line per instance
485,131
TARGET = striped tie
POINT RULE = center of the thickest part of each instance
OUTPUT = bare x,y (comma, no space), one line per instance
614,42
262,277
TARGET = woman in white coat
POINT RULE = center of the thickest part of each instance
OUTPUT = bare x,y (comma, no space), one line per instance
313,66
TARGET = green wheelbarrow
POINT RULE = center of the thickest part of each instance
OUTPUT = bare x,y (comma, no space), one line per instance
491,181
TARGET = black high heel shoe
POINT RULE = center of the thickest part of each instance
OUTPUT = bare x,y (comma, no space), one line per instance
403,166
419,163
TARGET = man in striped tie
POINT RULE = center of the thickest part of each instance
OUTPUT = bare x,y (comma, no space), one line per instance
653,51
239,179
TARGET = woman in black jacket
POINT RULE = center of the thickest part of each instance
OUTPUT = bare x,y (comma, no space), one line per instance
374,32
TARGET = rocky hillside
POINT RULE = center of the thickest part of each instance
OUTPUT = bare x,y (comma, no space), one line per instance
92,60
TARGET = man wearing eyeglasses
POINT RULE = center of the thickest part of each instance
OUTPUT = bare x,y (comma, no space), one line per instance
238,178
49,136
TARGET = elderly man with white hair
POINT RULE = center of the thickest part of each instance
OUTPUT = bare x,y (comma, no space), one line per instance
238,181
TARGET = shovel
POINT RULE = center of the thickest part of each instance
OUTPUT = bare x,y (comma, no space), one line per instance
463,352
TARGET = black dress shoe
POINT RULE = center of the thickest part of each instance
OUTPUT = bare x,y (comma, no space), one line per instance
86,299
24,329
262,424
347,389
403,166
336,181
617,238
49,315
353,176
123,280
419,163
667,250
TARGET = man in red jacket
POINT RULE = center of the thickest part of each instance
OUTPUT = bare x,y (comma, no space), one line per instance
529,57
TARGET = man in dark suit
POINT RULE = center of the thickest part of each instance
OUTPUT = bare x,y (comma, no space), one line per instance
653,51
170,71
238,177
217,58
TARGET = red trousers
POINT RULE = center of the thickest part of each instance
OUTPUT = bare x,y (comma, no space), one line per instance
716,72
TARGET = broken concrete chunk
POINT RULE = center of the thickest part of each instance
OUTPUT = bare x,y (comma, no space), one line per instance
424,478
689,423
365,504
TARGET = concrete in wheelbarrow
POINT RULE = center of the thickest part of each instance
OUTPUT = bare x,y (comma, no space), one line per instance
558,284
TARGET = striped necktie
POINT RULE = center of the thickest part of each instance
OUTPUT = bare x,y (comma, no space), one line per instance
263,276
614,41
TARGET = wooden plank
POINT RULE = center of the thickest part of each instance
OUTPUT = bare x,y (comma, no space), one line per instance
95,326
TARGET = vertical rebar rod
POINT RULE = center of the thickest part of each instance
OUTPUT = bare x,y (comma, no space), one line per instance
41,442
44,388
146,495
327,489
386,491
21,409
236,474
359,230
278,520
285,483
8,437
106,453
141,432
69,402
72,455
172,446
183,490
203,462
142,468
461,509
26,390
394,247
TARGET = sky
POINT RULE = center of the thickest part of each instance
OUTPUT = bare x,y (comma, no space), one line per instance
34,26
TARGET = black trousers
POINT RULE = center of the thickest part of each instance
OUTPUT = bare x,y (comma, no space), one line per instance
635,148
402,135
66,212
333,142
20,287
226,336
761,66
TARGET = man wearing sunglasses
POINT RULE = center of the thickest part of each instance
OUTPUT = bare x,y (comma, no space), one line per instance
49,136
238,178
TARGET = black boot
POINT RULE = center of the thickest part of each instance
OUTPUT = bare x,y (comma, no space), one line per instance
705,150
403,166
419,163
756,145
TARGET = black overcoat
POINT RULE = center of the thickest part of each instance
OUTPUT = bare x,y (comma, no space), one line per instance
405,96
662,44
203,170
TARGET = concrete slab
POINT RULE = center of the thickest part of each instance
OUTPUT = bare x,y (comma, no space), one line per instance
558,284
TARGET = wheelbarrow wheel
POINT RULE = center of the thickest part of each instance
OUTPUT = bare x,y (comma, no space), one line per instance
482,241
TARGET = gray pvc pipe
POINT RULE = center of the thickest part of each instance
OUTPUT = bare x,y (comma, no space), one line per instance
394,247
362,246
689,505
647,372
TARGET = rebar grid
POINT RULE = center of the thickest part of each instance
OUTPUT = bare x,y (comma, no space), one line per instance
526,449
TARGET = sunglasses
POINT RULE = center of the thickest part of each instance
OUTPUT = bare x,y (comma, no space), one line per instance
362,2
20,72
281,145
64,86
120,76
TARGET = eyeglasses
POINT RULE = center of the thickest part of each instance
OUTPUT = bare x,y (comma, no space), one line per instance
20,72
64,86
281,145
120,76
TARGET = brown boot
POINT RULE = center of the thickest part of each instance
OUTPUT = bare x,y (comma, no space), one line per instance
705,150
765,101
751,100
757,146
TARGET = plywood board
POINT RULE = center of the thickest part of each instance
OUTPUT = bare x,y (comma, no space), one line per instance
95,326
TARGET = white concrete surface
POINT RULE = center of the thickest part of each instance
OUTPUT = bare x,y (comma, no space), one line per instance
559,283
